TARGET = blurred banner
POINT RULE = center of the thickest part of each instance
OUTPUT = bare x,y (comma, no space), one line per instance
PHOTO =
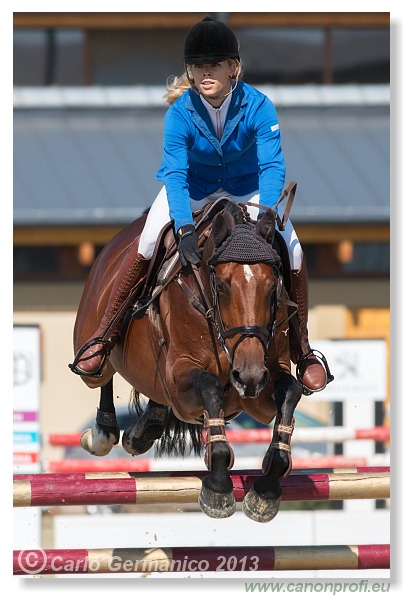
27,392
359,367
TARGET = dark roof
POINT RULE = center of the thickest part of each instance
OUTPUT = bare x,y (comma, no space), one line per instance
97,166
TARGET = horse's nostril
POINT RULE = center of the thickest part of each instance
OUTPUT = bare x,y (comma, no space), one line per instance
256,382
237,376
264,379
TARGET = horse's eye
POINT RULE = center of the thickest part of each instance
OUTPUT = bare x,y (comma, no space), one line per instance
222,287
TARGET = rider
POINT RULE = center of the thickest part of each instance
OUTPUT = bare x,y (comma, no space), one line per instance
221,137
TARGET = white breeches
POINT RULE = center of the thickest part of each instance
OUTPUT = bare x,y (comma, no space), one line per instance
159,216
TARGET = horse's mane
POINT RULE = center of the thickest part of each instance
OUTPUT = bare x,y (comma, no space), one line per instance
235,211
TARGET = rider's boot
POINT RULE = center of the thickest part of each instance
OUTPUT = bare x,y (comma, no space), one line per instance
91,357
311,372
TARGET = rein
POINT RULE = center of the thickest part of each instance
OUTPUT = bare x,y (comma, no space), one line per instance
291,190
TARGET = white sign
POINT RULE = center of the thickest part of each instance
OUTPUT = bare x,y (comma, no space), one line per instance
26,392
359,368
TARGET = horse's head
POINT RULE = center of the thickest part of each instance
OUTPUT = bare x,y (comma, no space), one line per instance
244,276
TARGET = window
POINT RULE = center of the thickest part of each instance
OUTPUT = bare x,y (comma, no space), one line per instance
49,263
357,260
277,55
49,57
282,55
139,57
361,55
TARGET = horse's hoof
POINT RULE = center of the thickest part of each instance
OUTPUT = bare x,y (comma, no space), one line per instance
261,507
97,442
139,445
217,505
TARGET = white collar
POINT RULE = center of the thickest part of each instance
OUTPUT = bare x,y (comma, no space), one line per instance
213,109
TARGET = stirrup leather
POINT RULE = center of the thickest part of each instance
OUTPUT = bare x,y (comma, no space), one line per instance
317,354
98,373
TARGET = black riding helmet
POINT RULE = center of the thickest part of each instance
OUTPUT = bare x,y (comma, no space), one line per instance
210,41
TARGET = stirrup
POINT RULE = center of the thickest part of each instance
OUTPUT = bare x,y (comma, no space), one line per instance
317,354
140,308
98,373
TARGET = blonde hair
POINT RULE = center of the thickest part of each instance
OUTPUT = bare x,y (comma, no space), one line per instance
176,86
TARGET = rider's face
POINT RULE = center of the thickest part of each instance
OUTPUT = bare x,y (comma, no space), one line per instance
213,80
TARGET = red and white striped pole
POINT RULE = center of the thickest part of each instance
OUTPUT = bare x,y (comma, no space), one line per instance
305,435
177,488
217,559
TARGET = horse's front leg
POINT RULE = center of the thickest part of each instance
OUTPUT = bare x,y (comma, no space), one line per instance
216,497
105,433
263,501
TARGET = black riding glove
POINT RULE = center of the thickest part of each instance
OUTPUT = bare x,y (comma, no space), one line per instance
189,251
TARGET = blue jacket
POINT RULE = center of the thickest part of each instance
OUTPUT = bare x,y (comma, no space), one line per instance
248,157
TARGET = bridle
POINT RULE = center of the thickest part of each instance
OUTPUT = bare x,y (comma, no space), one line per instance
211,311
242,247
263,334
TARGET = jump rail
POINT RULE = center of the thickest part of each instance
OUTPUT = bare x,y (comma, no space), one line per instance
150,465
253,472
272,558
182,488
306,435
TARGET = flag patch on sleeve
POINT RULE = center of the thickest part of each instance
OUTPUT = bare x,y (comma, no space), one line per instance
275,127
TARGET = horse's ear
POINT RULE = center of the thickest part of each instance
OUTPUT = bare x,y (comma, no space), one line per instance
221,229
266,226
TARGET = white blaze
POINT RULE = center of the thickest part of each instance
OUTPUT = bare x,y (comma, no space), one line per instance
248,272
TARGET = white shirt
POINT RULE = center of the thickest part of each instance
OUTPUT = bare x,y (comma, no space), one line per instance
218,115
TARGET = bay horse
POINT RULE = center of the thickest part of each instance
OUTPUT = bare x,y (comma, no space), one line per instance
214,344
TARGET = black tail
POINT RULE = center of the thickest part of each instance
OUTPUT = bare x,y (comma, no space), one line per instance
179,439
